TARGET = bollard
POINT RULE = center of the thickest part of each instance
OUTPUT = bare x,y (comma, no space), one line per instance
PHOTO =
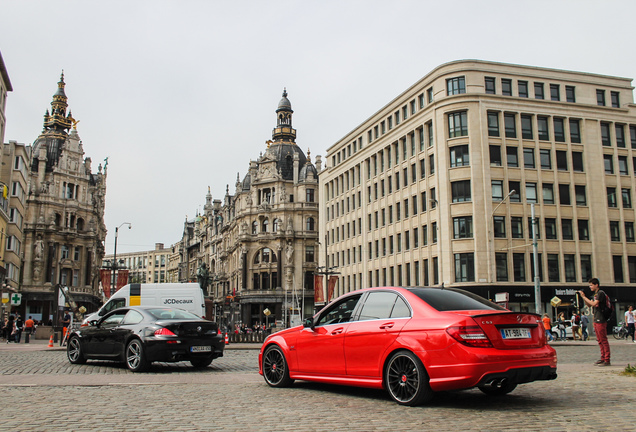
54,337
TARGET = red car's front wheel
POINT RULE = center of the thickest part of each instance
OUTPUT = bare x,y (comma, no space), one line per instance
275,370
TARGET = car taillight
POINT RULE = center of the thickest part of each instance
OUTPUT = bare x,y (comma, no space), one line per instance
470,336
164,332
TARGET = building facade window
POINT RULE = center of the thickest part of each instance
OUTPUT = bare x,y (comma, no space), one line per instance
459,156
555,92
506,87
463,227
490,85
461,191
458,124
493,124
570,94
600,97
501,264
526,127
464,267
510,125
455,86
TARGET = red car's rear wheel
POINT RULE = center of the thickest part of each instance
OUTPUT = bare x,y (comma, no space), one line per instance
406,379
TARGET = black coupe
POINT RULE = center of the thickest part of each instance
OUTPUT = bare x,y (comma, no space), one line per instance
141,335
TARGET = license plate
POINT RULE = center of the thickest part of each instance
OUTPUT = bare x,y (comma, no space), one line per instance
515,333
201,349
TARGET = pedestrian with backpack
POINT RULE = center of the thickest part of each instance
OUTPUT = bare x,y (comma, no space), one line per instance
599,304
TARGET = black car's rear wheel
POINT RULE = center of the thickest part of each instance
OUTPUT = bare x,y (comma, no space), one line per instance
406,379
74,351
135,356
201,362
275,370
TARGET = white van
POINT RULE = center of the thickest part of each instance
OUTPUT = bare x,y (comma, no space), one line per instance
187,296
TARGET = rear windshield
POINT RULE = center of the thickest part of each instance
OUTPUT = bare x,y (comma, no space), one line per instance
176,314
452,299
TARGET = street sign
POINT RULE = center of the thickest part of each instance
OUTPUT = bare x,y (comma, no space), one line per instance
555,302
5,298
16,299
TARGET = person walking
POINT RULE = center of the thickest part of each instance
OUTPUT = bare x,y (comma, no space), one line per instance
630,319
10,328
561,326
28,328
19,325
576,323
584,323
600,323
547,325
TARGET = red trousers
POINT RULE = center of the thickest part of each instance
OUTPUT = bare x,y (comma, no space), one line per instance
601,337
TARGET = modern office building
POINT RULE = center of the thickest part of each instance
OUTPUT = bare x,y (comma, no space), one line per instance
437,186
143,267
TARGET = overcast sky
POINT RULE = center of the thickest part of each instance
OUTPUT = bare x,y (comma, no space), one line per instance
181,95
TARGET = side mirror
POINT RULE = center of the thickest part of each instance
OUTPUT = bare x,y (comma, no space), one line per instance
309,323
92,323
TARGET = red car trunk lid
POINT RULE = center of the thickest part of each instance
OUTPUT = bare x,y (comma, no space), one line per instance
512,330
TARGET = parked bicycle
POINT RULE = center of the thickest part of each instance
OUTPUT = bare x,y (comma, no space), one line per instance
620,331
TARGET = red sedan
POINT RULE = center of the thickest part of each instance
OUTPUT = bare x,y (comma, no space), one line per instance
412,342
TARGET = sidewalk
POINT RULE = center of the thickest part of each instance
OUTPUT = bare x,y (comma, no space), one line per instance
43,345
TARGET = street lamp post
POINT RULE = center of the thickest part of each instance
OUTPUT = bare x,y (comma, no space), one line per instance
492,234
115,255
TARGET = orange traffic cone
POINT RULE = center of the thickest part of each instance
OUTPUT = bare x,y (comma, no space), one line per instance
227,339
51,342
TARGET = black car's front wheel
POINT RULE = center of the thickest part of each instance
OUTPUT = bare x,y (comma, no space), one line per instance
135,356
406,379
275,370
74,351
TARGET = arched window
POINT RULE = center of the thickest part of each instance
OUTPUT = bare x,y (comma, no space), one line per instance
265,256
310,224
80,224
254,227
276,225
265,224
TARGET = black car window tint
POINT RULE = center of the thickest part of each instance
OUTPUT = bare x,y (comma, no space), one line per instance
114,319
378,305
400,309
133,317
451,299
339,312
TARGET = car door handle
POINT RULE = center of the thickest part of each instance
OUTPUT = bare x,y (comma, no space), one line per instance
387,326
337,331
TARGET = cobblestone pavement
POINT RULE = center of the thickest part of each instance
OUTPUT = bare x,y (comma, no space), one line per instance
43,392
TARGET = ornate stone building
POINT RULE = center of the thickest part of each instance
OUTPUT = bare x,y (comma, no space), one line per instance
64,226
258,246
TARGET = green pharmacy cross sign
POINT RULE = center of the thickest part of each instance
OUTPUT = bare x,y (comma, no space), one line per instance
16,299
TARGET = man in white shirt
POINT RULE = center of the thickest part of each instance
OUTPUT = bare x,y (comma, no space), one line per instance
630,319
